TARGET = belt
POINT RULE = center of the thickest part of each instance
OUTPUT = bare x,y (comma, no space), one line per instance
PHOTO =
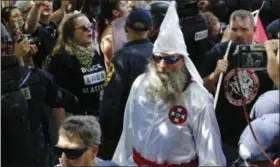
139,160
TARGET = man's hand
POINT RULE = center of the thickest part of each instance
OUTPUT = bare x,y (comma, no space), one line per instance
22,48
272,61
221,67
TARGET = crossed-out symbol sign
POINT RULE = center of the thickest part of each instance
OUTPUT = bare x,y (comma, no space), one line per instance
177,115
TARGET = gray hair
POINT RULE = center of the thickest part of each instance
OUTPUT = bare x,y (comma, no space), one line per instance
243,14
87,127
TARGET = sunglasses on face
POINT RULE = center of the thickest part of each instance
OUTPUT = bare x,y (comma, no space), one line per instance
70,153
86,28
167,59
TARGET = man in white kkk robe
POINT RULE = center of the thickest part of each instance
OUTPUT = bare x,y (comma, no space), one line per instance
169,116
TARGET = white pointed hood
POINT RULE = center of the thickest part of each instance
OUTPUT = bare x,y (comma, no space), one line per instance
171,40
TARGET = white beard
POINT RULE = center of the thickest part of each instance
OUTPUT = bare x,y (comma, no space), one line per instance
166,86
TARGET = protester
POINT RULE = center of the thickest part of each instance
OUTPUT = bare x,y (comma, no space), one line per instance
110,10
42,23
169,118
253,82
129,62
13,20
78,141
21,45
266,129
76,66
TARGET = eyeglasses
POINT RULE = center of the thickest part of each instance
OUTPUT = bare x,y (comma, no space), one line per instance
167,59
86,28
70,153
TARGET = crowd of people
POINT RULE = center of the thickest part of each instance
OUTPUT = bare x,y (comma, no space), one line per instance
140,83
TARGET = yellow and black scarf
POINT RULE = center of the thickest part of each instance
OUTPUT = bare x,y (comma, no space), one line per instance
84,54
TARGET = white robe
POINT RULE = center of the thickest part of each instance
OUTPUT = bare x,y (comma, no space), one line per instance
148,129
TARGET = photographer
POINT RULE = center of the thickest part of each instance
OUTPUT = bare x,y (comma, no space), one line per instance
251,82
20,48
12,18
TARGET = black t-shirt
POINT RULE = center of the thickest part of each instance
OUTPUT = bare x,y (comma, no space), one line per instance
229,112
47,34
85,83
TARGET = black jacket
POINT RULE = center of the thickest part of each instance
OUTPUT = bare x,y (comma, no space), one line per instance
129,63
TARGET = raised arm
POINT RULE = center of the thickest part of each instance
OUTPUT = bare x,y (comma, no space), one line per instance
33,17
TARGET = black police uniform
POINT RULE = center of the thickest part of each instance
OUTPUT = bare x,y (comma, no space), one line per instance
195,30
39,89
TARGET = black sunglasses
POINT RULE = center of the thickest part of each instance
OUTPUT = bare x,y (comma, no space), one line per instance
86,27
167,59
70,153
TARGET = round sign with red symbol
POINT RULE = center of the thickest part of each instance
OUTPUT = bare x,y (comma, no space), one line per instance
177,115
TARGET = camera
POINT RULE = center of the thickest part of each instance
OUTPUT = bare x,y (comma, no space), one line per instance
251,56
31,40
34,41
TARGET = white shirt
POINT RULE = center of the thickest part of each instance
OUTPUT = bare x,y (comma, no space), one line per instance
149,129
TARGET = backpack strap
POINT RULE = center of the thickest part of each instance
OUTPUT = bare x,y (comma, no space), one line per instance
25,79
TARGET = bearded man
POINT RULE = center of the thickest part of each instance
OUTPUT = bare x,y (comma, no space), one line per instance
169,116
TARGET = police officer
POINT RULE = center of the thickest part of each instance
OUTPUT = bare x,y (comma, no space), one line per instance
38,89
195,30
